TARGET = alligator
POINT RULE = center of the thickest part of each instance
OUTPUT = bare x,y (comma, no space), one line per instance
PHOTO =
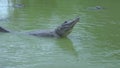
61,31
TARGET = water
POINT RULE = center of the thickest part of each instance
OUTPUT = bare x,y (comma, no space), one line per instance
94,42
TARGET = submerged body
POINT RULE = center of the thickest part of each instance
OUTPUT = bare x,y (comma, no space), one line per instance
61,31
43,33
3,30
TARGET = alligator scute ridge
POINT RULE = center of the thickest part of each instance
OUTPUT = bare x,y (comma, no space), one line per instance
61,31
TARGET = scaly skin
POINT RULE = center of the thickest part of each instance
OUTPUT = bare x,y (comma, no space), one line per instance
61,31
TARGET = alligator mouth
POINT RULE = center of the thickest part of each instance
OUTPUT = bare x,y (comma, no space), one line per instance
74,21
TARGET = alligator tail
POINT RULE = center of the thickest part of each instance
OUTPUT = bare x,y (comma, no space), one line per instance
3,30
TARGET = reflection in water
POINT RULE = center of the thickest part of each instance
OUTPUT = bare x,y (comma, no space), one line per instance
99,38
66,45
4,9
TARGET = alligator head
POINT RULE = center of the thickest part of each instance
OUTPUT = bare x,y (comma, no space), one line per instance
66,28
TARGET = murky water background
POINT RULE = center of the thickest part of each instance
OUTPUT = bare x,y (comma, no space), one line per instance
94,42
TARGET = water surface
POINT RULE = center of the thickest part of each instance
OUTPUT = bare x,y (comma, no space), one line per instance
94,42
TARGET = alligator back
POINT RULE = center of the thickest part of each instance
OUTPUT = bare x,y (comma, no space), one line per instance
61,31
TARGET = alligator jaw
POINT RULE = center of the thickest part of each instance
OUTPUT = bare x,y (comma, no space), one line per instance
72,23
66,28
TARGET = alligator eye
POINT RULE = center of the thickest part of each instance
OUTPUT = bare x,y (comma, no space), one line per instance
65,22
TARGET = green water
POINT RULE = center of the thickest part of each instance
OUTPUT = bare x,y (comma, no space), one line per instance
94,42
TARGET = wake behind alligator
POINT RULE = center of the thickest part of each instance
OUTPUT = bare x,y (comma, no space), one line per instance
61,31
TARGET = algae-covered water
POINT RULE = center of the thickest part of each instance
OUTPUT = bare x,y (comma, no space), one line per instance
93,43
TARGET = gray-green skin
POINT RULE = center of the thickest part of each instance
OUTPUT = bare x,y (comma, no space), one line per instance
61,31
